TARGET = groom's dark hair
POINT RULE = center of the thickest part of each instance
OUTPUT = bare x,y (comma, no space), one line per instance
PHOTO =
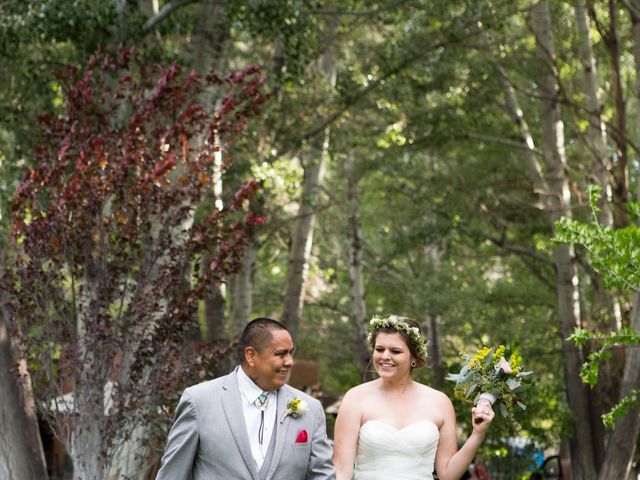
257,334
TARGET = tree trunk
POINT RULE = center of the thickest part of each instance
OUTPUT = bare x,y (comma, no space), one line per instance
622,442
149,8
433,319
215,305
621,164
581,443
209,50
554,195
87,447
21,454
356,268
633,7
435,351
534,166
596,133
242,288
605,305
302,240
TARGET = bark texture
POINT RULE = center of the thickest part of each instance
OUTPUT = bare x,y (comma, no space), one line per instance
21,454
581,443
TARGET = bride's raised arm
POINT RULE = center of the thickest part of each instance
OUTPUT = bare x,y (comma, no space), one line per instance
450,462
346,434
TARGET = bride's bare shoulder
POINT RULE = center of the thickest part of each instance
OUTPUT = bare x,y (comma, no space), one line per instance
434,395
362,390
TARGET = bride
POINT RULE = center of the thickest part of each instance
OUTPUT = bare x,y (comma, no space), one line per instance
394,427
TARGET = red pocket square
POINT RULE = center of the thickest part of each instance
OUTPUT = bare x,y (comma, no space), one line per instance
302,436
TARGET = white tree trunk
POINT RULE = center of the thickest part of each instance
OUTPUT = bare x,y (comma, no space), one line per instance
596,133
302,240
534,165
210,50
356,268
581,443
215,299
242,288
150,8
86,445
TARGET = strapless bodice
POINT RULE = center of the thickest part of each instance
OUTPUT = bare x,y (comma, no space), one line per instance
385,452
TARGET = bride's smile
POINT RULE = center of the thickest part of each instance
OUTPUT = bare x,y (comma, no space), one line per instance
391,354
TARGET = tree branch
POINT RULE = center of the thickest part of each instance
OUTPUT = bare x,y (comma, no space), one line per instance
634,11
504,141
165,12
521,251
337,11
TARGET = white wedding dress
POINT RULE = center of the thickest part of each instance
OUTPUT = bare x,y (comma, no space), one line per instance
387,453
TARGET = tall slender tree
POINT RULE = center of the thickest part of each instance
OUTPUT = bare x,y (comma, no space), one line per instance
582,441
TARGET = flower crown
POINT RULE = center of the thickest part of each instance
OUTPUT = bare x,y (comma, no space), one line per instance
399,325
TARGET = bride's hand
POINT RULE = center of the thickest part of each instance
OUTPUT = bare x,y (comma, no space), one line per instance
481,417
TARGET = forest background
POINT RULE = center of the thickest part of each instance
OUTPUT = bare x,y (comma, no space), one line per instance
350,158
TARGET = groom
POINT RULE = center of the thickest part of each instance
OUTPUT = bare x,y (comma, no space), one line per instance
250,425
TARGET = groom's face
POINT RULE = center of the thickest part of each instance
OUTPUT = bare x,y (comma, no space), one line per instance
271,364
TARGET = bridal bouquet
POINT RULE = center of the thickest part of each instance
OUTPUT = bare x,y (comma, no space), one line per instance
488,376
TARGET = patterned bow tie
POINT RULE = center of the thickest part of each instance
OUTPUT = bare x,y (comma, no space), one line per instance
262,402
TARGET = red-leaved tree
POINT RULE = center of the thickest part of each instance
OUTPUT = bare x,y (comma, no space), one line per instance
108,230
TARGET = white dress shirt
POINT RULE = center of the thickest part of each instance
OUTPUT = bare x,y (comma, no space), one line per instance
250,392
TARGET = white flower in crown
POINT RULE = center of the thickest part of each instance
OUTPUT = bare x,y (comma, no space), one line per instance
295,408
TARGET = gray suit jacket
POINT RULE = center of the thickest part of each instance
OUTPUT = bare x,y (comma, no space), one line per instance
208,439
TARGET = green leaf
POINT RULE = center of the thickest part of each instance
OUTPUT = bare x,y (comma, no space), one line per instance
512,383
621,408
489,358
580,336
634,210
471,390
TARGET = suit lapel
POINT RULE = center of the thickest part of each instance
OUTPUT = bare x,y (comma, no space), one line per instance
284,396
231,404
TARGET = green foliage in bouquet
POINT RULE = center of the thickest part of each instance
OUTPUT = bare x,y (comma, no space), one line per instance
488,371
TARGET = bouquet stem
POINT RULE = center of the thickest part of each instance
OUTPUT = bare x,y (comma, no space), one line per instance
484,397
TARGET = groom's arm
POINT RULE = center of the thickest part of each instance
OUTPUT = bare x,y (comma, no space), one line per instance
182,444
320,461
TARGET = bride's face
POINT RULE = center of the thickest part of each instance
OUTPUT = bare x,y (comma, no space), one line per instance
391,355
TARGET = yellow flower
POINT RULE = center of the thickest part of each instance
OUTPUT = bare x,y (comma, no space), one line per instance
295,408
499,353
515,361
479,356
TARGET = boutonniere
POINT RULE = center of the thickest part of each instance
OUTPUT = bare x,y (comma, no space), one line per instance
295,408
